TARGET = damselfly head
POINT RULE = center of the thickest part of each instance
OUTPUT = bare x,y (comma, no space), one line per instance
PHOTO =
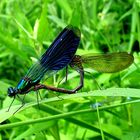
12,92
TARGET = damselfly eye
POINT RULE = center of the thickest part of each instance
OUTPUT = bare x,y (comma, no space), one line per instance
11,92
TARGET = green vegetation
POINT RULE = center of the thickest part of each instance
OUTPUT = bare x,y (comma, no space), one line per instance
108,105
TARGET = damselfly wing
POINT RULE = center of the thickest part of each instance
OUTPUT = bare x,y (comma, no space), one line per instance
105,63
57,56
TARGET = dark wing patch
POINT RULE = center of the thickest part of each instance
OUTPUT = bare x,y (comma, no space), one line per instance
62,50
58,55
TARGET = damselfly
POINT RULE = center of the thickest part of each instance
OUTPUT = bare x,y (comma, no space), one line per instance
59,55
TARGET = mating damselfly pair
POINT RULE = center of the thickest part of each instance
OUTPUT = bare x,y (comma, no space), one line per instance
61,54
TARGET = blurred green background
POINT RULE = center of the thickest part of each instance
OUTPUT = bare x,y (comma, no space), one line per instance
27,28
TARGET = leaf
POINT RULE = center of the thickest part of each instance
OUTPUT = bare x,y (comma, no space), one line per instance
65,6
34,129
76,15
43,27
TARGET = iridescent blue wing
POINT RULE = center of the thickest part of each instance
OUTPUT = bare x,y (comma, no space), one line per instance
62,50
58,55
